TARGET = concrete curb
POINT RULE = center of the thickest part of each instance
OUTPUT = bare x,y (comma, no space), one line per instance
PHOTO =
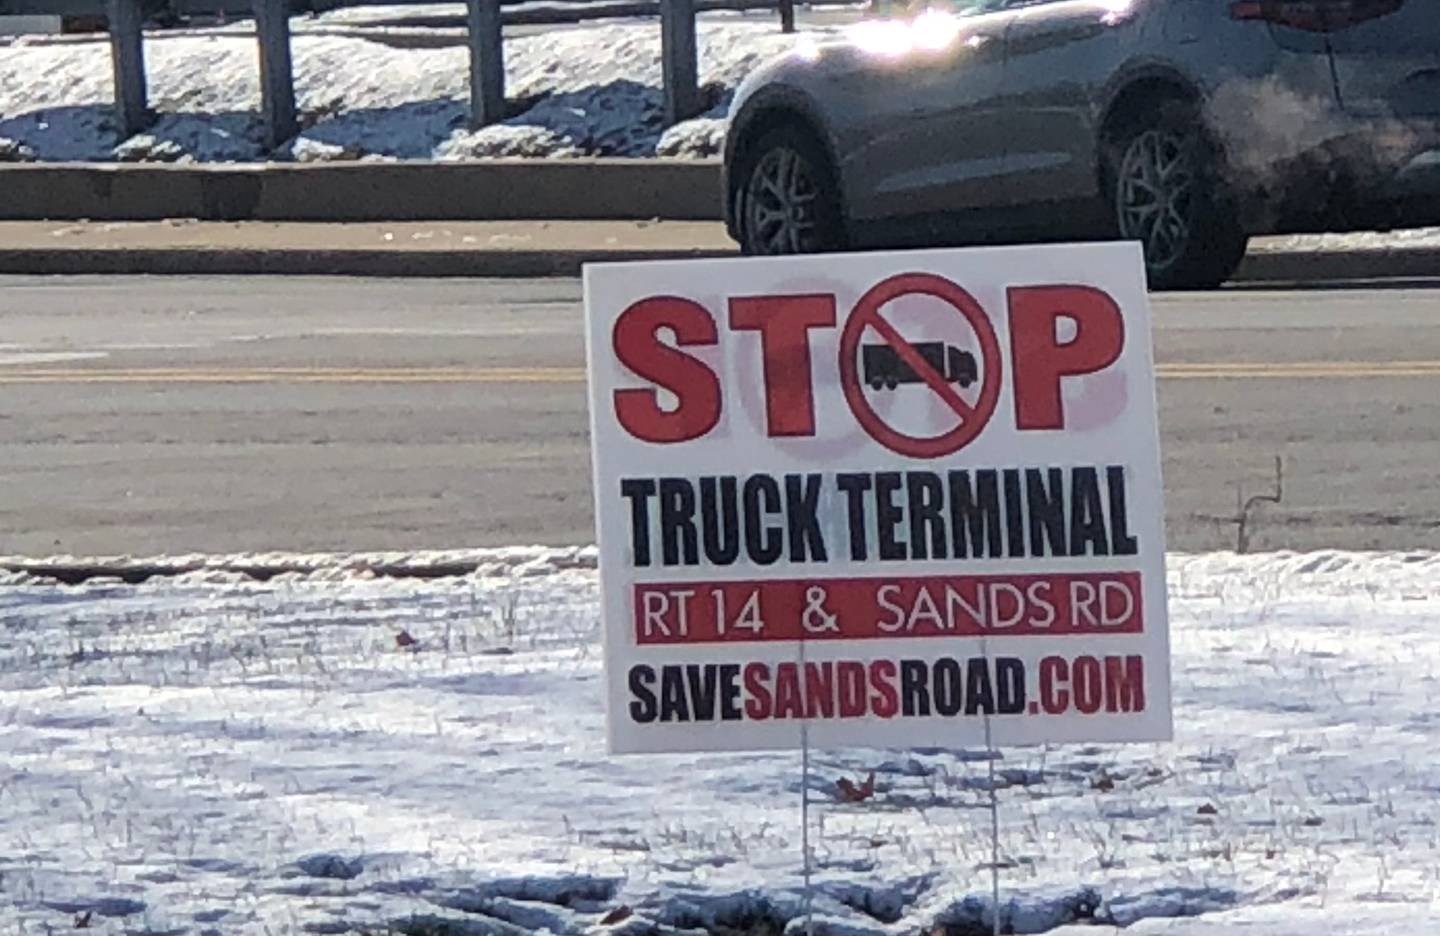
490,190
1304,266
415,564
395,263
137,574
1268,266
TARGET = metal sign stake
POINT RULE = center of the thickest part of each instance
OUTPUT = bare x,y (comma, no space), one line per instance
807,894
990,757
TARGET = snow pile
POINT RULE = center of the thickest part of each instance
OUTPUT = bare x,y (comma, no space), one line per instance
11,151
328,751
146,147
510,141
593,91
308,149
701,138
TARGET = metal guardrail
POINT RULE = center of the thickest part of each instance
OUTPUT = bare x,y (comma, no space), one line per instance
532,12
50,7
126,20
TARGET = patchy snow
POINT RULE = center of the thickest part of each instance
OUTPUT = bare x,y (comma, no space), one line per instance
701,138
214,754
592,91
369,14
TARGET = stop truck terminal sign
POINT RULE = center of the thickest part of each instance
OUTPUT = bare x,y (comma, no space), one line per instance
890,496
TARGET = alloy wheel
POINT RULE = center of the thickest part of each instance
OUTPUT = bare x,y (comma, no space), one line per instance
1155,196
781,199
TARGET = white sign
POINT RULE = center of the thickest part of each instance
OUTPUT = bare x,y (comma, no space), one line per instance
893,495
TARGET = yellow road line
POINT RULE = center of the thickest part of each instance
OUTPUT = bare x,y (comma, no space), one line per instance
297,375
1299,370
1230,370
1305,366
1315,375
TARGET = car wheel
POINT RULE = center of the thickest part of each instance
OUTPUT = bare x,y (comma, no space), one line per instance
1170,195
788,202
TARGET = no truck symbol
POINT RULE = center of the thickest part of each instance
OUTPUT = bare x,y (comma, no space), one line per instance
933,364
885,368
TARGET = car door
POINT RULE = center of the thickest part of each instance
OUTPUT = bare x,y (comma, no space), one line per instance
1060,55
1387,57
928,140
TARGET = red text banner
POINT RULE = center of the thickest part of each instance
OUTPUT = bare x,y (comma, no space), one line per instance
1051,605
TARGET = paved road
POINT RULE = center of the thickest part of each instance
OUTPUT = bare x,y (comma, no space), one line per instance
172,415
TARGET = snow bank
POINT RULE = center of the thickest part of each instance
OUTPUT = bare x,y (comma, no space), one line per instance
331,750
593,91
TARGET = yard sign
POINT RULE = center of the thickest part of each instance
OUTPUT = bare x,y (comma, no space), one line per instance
890,495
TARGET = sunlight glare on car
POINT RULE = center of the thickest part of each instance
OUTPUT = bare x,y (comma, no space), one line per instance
930,31
807,49
935,29
1116,11
889,38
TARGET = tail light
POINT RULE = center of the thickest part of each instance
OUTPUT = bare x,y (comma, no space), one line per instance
1321,16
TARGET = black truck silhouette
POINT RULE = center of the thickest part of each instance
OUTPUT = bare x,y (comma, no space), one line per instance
885,368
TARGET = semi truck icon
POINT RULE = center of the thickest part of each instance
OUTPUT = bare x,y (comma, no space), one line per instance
885,368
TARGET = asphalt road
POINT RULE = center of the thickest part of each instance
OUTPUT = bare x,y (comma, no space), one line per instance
148,416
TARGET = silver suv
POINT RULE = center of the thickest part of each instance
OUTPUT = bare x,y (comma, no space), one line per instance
1188,125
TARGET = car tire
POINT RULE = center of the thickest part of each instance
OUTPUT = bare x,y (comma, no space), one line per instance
787,197
1168,191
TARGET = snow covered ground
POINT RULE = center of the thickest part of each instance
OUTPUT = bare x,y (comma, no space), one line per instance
595,91
210,754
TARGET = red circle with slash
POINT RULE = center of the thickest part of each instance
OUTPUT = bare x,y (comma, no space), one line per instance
972,419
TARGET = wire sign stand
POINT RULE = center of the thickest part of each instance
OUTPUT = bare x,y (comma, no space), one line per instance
807,869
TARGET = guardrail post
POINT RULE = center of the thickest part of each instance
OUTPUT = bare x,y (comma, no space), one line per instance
787,16
677,56
127,52
487,63
277,78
